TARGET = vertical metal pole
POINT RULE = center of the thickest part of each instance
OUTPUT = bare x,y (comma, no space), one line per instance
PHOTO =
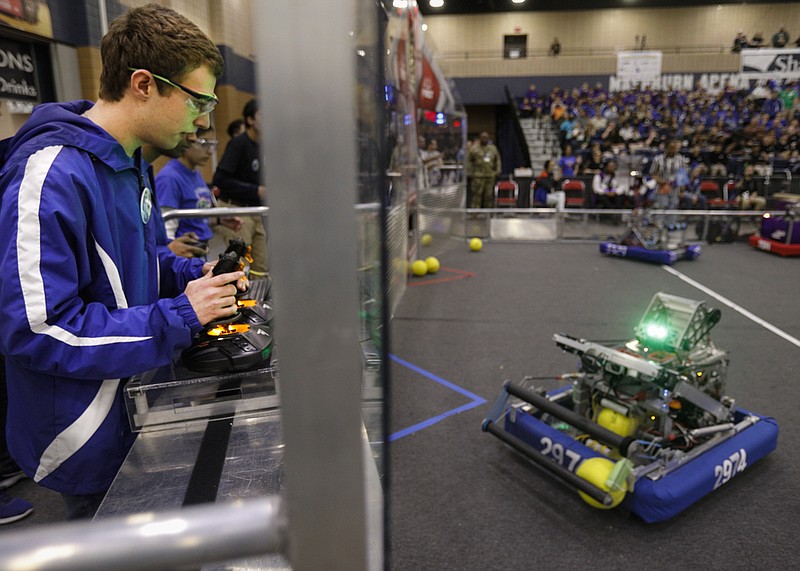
103,9
306,72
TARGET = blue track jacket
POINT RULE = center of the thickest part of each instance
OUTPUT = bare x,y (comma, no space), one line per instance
86,297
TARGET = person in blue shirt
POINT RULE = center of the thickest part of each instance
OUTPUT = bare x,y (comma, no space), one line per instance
568,163
691,197
565,128
90,294
179,185
772,105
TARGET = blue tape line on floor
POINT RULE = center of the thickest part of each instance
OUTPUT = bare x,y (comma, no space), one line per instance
475,400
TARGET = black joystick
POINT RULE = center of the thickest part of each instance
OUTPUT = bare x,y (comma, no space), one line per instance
231,259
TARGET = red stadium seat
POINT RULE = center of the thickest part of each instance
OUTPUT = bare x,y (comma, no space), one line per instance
575,191
710,189
505,194
716,197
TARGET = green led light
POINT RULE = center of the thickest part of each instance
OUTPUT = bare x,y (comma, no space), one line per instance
656,331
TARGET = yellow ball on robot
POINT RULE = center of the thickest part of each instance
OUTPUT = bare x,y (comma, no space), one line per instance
426,239
616,422
596,471
419,268
432,264
475,244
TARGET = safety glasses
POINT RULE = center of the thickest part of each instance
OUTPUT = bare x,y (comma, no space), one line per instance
207,144
199,103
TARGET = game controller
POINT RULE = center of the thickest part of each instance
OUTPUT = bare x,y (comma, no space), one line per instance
229,348
233,258
241,342
255,312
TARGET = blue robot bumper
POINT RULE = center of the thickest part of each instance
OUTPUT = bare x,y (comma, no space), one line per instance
668,257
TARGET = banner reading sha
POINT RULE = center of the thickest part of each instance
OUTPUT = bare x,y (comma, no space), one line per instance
770,64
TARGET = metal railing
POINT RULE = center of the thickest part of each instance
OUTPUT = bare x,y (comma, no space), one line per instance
164,540
590,214
699,49
216,212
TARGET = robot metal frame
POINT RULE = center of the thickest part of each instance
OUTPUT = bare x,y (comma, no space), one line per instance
646,423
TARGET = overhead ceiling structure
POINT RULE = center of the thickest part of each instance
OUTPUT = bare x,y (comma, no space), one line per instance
496,6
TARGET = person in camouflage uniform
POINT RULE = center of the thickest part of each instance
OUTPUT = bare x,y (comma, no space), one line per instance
483,165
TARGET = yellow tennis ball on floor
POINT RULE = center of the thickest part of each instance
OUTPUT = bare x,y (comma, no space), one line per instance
419,268
475,244
426,240
433,264
596,471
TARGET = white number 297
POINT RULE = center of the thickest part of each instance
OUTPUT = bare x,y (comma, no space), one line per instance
567,458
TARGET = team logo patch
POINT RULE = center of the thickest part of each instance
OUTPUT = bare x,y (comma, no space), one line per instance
146,205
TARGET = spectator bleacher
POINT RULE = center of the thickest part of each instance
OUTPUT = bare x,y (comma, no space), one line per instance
723,130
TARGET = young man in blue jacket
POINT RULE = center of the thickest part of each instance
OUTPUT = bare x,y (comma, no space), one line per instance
88,297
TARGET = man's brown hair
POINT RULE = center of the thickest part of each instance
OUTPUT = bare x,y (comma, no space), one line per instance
157,39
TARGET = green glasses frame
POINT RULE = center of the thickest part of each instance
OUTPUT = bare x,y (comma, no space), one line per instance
200,103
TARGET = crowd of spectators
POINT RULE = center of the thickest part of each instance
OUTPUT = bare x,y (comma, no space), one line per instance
719,131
